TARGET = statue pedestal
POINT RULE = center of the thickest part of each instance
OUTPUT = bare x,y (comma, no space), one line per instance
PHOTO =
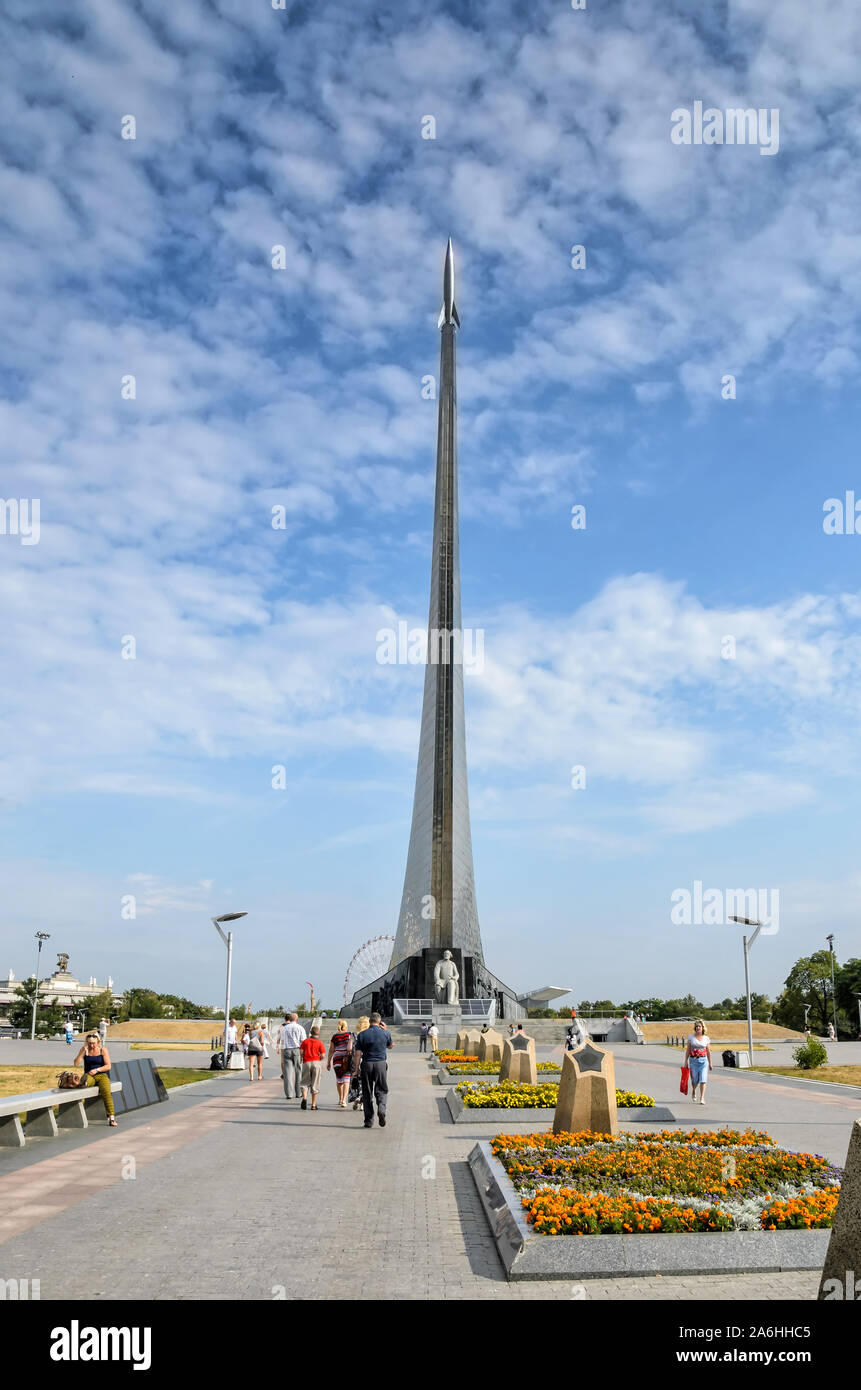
447,1019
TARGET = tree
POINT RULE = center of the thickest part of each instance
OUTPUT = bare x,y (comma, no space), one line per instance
49,1016
141,1003
808,982
848,981
789,1009
97,1007
644,1008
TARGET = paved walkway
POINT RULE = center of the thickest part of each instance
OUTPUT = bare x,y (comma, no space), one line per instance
239,1194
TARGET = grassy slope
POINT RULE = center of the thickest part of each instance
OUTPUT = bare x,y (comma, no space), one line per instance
19,1080
723,1030
849,1076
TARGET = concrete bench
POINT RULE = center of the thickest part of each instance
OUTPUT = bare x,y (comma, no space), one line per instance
74,1108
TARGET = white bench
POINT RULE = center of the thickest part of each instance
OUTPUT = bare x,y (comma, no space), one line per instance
39,1120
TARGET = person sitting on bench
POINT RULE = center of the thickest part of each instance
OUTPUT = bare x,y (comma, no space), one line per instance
97,1066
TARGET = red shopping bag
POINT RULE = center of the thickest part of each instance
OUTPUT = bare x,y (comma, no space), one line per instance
686,1076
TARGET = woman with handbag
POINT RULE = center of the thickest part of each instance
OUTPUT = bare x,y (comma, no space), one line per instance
698,1060
254,1049
97,1072
341,1058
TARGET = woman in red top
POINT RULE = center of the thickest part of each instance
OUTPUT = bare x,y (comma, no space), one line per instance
313,1053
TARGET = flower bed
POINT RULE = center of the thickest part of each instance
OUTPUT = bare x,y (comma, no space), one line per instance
801,1213
596,1214
448,1057
594,1184
517,1095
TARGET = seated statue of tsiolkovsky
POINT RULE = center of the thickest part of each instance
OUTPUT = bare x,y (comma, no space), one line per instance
445,979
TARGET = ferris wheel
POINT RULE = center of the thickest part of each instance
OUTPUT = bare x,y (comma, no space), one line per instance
368,963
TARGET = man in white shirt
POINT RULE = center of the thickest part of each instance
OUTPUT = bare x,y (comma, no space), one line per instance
290,1036
433,1034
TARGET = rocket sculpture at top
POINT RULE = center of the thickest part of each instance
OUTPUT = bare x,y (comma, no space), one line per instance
448,312
438,904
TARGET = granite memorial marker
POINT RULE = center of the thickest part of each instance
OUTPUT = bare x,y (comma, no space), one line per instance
587,1092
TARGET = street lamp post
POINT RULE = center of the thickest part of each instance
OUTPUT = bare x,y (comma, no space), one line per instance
830,940
40,937
806,1008
748,942
858,997
228,941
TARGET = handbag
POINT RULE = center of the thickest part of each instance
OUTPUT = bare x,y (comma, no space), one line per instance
686,1076
69,1081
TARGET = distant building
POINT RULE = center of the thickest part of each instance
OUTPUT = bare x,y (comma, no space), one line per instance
70,993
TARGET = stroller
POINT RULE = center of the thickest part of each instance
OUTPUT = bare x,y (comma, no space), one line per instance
354,1095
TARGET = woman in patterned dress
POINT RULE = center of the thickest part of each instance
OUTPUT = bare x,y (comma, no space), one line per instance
341,1057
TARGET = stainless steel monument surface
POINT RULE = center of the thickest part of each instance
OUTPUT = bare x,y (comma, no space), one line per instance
438,912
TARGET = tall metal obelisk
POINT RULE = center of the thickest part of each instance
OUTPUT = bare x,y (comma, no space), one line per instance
438,908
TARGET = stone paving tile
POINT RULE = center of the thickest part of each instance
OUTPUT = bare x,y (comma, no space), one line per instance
305,1198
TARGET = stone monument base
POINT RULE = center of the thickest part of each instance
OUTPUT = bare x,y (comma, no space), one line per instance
447,1019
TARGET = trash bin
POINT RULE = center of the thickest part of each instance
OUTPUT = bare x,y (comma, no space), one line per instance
729,1058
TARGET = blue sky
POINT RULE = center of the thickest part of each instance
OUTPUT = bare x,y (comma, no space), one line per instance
301,388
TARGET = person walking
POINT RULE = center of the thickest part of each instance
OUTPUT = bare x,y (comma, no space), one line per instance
423,1038
103,1030
341,1058
291,1040
372,1045
231,1037
70,1032
267,1038
355,1092
313,1052
245,1039
433,1034
97,1071
254,1051
698,1060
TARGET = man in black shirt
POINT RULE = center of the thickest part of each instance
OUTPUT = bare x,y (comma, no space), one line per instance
371,1047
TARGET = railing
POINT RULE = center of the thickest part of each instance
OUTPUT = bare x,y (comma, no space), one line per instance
413,1008
423,1008
478,1008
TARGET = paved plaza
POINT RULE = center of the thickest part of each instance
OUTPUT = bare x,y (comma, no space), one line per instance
238,1194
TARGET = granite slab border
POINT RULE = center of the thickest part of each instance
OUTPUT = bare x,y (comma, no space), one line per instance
448,1078
530,1115
526,1255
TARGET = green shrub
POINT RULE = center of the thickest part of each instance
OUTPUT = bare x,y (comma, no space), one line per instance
810,1054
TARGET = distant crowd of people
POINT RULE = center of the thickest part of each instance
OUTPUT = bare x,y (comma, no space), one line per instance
358,1060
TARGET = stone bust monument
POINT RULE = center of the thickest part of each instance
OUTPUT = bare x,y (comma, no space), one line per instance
445,979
